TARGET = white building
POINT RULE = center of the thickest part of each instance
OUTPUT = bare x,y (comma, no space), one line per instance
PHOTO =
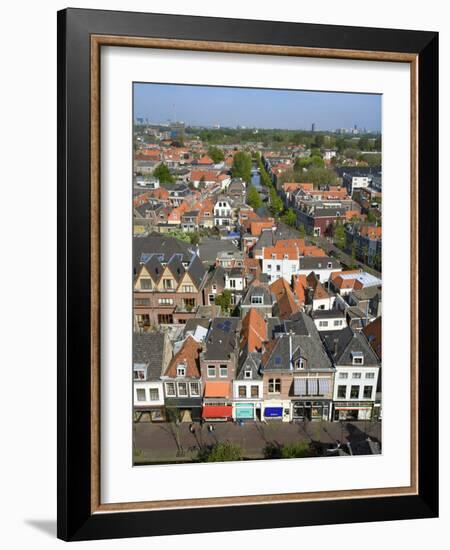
277,263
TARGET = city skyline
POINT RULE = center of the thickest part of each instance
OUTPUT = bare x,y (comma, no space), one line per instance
211,106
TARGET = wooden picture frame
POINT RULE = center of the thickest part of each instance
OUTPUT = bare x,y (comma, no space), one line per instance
81,35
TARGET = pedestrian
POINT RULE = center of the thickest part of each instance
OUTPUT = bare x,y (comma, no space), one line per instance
192,428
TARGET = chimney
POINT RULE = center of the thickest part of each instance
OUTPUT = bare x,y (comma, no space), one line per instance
335,346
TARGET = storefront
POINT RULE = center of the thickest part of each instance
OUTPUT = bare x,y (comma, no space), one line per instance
277,411
311,410
217,412
245,411
353,410
149,414
183,409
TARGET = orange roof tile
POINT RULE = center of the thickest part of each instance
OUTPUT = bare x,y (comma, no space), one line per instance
254,331
188,356
284,297
300,285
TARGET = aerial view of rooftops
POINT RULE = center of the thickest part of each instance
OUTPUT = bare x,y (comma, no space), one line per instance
257,287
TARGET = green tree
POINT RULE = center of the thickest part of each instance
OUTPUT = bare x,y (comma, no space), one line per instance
163,173
290,217
371,218
302,231
242,166
223,451
224,300
339,235
276,204
299,449
253,198
194,238
216,154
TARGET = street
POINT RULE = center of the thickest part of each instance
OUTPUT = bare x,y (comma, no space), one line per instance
168,442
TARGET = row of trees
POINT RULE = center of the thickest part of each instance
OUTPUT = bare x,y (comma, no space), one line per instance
226,451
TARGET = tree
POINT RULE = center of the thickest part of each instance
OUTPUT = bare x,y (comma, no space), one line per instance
224,300
301,230
216,154
299,449
276,204
223,451
194,238
253,198
290,217
371,218
242,166
163,173
339,235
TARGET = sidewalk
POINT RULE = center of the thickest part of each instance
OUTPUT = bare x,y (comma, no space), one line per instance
167,442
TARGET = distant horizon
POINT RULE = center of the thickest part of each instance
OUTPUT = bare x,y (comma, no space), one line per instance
256,108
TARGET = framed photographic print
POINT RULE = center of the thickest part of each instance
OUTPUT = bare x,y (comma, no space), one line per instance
247,274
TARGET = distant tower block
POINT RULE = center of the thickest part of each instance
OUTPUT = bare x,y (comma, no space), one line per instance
313,127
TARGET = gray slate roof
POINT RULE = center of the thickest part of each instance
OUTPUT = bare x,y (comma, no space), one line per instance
209,248
148,349
258,290
289,347
341,343
222,338
249,362
163,245
318,262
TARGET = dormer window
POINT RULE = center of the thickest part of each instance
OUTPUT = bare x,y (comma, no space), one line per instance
299,364
256,300
181,370
357,358
329,265
248,374
140,372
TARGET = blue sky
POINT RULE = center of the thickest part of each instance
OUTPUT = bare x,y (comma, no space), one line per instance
289,109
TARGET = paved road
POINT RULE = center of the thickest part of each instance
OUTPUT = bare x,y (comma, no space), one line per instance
165,442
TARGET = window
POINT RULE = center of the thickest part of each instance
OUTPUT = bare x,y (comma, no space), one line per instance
242,391
323,323
329,265
354,392
269,267
256,300
188,288
254,391
211,371
211,299
278,267
338,323
181,370
274,385
357,358
139,373
182,389
195,390
248,374
300,364
165,301
170,389
168,283
343,375
140,394
223,371
214,287
165,319
273,256
368,392
142,302
232,283
146,284
342,392
356,375
370,375
154,394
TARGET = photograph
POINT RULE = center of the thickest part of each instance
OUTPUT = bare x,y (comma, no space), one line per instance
257,273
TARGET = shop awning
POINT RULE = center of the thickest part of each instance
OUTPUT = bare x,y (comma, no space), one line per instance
272,412
217,411
217,389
